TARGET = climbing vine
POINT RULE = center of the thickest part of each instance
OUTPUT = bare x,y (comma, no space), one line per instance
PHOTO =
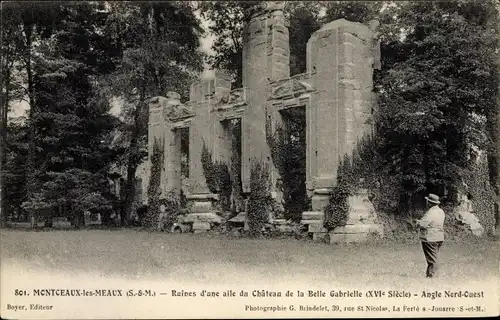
217,177
287,146
260,200
237,188
152,217
357,171
337,210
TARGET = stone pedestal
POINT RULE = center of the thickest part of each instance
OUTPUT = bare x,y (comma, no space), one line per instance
314,222
362,222
320,199
203,212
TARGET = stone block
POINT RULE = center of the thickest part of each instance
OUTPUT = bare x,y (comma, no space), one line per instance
202,217
316,227
203,197
351,221
306,222
61,224
312,215
319,236
359,228
240,218
361,203
285,228
279,221
201,207
347,237
201,226
361,215
319,201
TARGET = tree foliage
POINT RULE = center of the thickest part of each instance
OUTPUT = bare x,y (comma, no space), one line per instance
159,43
71,119
355,11
59,55
436,87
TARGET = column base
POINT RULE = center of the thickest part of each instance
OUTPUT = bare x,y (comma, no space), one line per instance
203,212
320,199
362,224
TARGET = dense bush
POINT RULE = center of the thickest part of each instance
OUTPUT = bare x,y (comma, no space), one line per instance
260,200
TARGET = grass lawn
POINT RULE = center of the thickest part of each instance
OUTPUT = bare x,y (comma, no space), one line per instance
207,259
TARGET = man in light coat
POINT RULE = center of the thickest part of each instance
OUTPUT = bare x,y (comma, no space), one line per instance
432,233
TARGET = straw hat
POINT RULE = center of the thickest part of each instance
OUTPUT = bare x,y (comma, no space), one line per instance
433,198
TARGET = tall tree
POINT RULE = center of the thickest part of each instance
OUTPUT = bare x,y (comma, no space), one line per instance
13,170
61,49
435,89
356,11
491,18
227,19
31,23
10,33
160,42
304,21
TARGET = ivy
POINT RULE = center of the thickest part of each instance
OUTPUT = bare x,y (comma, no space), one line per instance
357,171
260,200
237,188
287,146
152,218
209,170
218,177
172,208
337,210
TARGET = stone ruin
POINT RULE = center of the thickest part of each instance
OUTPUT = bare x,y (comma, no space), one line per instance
336,93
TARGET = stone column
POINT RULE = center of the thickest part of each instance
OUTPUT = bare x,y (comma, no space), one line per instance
222,145
340,59
222,130
205,127
156,133
203,130
173,159
265,58
199,134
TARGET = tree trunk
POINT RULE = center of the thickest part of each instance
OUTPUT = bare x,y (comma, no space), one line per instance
493,127
3,148
495,177
30,161
133,159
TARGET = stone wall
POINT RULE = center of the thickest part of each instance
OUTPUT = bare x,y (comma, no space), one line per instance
336,92
266,57
340,60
